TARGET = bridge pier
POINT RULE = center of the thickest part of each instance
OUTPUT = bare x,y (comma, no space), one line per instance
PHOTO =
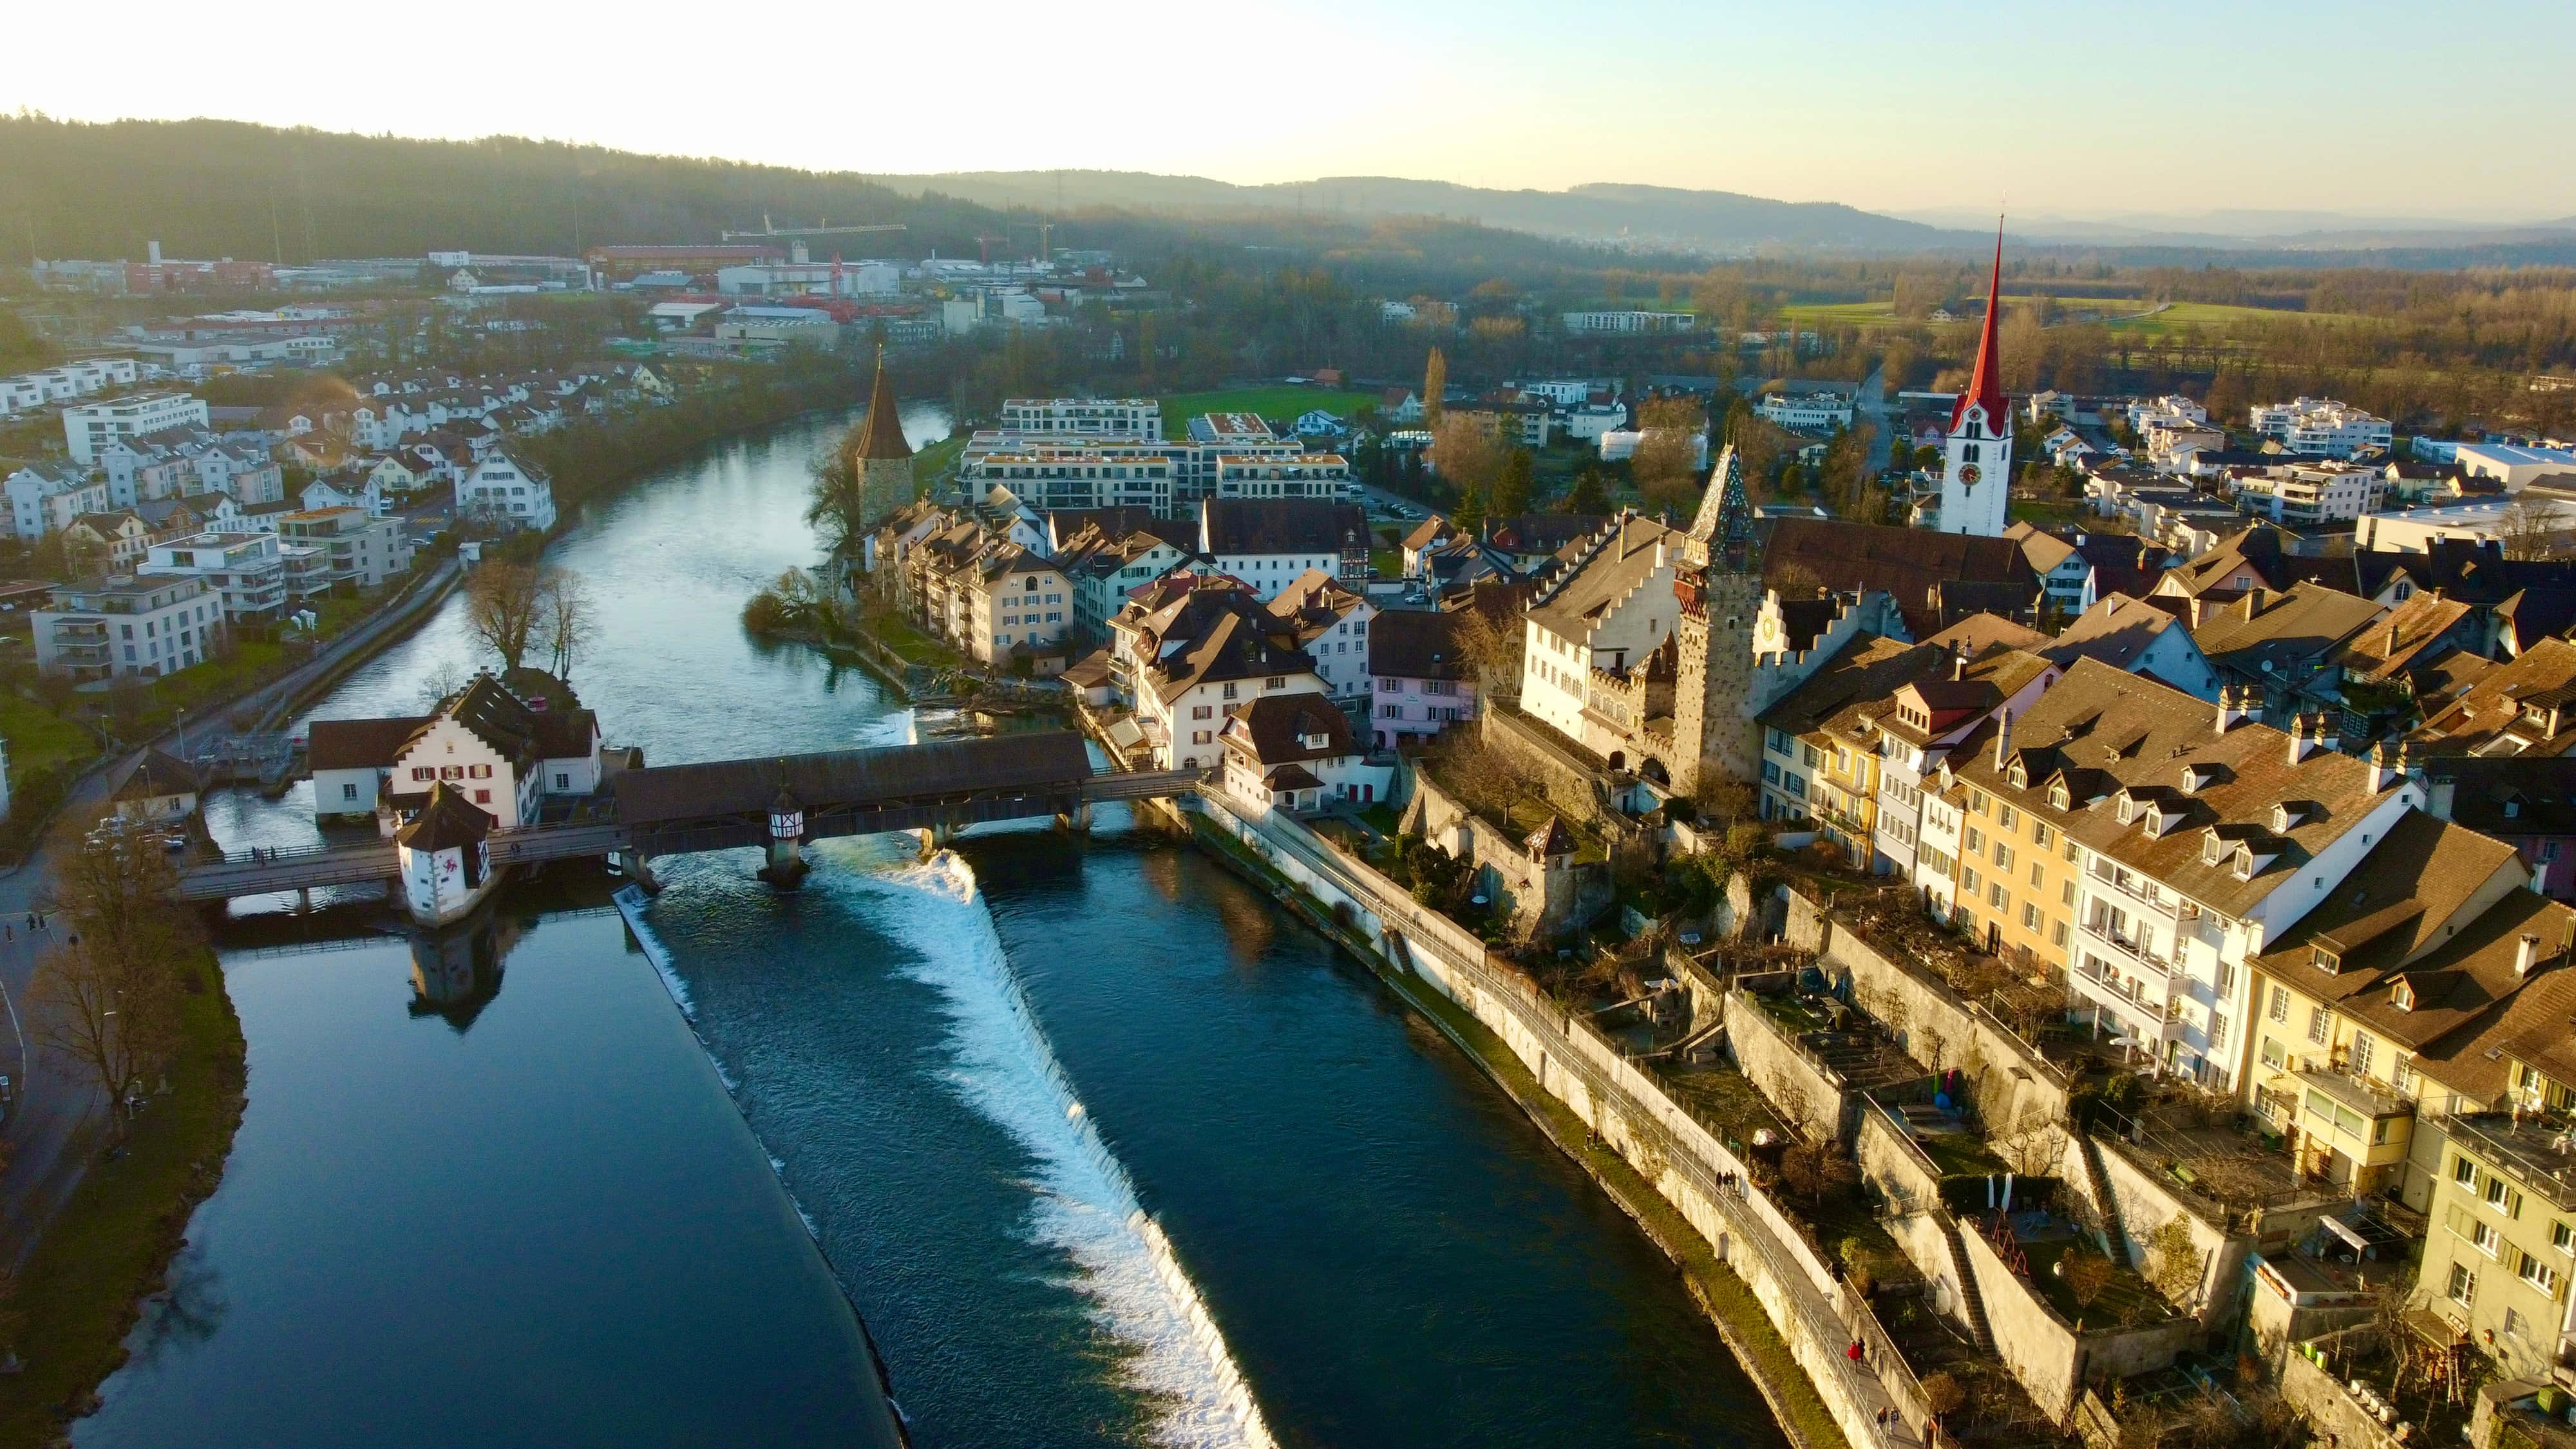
786,869
639,869
1075,818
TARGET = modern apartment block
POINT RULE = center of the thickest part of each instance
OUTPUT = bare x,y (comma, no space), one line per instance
89,427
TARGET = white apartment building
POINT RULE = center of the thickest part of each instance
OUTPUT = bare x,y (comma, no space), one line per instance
1017,602
1564,392
246,571
141,627
1268,542
1078,474
2303,493
504,492
1604,322
1305,475
30,390
2315,427
2173,407
45,497
1122,417
88,427
1807,411
357,549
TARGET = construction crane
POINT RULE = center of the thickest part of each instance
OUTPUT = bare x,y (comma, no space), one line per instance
768,230
984,248
1046,236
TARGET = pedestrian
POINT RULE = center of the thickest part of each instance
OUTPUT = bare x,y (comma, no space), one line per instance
1853,1352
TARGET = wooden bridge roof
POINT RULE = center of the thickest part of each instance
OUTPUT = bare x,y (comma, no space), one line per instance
667,794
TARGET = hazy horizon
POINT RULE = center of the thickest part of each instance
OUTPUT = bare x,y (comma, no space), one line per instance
1897,109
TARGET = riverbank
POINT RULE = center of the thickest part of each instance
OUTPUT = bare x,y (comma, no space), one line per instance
110,1249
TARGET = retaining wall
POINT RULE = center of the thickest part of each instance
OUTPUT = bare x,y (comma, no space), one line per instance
1821,1103
2146,1205
2331,1409
1892,1163
2044,1351
1622,1102
1935,1025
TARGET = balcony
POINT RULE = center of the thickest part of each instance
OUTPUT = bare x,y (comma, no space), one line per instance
2536,1150
2136,888
2128,950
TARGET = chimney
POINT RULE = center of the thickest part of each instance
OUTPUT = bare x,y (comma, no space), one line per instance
152,249
2233,708
2526,954
2439,792
2003,741
1959,665
2387,765
2303,738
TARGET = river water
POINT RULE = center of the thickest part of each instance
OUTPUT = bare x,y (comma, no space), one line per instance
1104,1148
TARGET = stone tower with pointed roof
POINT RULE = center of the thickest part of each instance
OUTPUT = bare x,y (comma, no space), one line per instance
1719,588
882,459
1976,476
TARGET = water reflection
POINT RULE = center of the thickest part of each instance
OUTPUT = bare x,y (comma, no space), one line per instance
456,971
186,1312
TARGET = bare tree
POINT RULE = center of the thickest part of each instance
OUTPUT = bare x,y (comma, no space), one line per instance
114,1014
1492,650
2534,528
502,606
565,619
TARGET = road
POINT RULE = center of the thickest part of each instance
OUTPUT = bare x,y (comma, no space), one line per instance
58,1116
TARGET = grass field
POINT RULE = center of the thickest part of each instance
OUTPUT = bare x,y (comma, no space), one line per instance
39,738
1279,404
2214,317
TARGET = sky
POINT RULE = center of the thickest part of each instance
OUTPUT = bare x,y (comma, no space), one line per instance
2364,107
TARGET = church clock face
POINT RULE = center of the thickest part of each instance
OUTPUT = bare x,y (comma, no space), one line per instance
1969,474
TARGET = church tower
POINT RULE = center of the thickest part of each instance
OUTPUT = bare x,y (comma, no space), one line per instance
882,458
1976,475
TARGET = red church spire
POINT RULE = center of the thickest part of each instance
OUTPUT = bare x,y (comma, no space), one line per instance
1986,385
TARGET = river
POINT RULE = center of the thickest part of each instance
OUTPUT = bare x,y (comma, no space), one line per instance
501,1191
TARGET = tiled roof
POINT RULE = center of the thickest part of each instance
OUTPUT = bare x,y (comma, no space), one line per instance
1275,730
1417,644
2104,731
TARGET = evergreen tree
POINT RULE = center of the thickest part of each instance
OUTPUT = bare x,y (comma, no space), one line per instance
1512,486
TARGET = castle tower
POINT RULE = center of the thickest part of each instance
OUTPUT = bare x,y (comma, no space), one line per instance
882,457
1976,476
1719,590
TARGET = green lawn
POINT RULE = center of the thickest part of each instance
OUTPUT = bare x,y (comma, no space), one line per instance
38,738
935,462
79,1291
898,634
1279,404
2214,317
1848,313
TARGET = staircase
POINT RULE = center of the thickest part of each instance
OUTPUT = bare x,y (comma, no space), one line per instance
2115,1233
1969,1298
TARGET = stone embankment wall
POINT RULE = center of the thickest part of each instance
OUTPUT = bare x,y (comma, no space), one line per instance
2337,1416
1811,1094
1617,1099
2044,1351
1935,1025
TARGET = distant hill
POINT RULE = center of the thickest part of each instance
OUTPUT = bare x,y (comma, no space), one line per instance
222,188
1722,221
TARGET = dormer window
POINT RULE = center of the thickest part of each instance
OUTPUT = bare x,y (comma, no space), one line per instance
2286,816
2244,863
2212,849
2125,807
2019,774
2327,960
2512,806
2402,995
2060,796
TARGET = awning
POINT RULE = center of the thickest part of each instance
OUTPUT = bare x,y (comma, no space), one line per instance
2347,1232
